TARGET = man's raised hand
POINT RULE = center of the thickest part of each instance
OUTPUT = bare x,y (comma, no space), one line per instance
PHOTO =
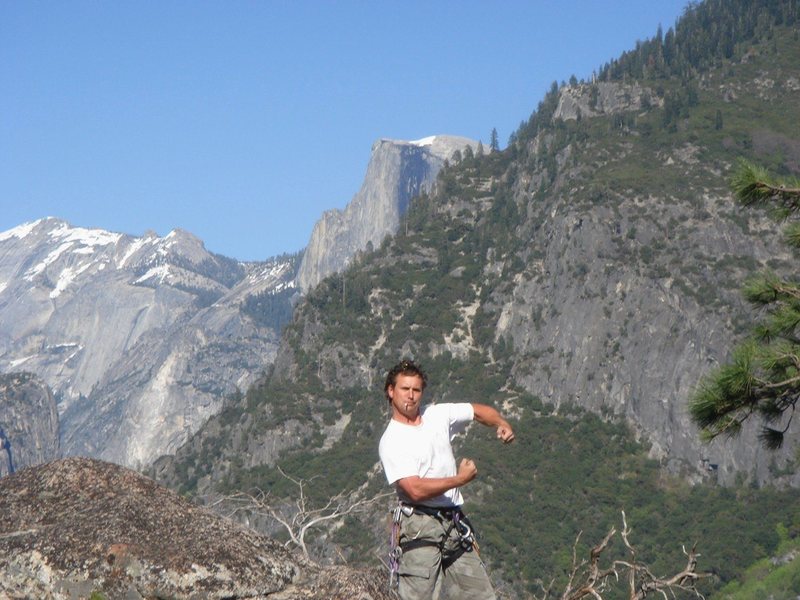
505,434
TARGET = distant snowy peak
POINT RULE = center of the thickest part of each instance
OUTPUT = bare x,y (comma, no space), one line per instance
139,337
440,146
56,256
59,230
58,234
89,238
119,250
20,232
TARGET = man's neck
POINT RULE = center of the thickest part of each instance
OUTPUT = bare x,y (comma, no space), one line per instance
401,418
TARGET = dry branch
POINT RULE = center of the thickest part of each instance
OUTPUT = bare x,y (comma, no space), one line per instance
592,580
300,518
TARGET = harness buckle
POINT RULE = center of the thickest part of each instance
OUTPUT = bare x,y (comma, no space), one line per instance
396,514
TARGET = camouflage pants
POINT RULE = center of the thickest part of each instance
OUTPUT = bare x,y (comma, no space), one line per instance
421,574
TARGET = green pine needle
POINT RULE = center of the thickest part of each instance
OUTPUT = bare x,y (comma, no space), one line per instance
762,288
748,183
783,321
753,185
760,375
792,235
771,439
703,407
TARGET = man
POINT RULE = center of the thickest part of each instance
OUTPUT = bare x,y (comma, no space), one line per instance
434,540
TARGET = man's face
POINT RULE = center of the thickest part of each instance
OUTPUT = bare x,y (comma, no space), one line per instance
406,395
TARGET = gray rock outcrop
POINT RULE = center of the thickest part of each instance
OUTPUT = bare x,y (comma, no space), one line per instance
77,527
603,98
28,422
397,172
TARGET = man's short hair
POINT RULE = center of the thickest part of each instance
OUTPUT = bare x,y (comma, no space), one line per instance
404,367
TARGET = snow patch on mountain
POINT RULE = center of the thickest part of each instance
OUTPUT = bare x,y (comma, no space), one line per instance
66,277
135,246
426,141
271,272
19,361
159,273
49,259
20,231
87,237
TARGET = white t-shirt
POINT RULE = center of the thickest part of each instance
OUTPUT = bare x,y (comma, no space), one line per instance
425,450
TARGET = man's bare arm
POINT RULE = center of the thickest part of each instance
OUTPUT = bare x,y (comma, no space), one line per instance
419,489
489,416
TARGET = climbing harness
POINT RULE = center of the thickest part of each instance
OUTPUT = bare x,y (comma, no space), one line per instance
454,518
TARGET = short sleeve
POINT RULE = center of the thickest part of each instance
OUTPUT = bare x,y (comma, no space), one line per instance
460,414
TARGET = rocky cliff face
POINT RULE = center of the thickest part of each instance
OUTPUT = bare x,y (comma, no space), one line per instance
397,172
628,297
75,527
28,422
604,98
139,338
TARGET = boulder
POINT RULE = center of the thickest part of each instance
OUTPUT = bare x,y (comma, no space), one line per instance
79,528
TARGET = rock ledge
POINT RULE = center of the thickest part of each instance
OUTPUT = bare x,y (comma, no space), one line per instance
79,526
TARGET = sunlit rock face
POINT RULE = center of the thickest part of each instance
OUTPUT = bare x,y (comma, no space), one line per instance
140,338
397,172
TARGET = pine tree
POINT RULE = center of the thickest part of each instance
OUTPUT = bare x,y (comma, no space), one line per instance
762,378
494,144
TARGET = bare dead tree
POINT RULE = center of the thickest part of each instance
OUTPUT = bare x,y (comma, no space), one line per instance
295,518
587,579
594,578
641,580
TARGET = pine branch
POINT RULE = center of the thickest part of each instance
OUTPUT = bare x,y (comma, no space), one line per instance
767,288
771,439
764,373
753,185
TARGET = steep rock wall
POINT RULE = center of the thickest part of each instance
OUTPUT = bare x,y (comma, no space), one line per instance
397,172
28,422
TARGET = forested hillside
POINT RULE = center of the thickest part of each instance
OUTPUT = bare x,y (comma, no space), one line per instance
583,279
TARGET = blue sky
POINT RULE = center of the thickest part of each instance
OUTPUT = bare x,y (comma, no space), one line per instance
242,121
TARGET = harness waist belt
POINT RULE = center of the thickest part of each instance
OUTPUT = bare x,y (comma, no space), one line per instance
445,512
